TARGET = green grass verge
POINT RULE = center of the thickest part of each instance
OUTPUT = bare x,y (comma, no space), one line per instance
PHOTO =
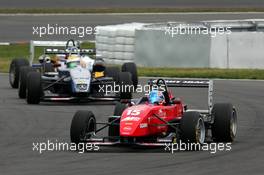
126,10
7,53
203,73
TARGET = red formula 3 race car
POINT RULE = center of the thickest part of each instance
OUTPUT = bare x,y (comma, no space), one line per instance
147,122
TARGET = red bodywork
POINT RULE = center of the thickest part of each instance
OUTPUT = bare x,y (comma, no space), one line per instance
139,120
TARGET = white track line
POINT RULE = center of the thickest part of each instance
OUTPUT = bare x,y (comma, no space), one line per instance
121,14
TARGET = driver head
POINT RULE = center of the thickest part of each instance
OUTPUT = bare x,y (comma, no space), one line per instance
156,96
72,61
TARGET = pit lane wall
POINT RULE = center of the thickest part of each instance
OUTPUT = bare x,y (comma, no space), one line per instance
151,47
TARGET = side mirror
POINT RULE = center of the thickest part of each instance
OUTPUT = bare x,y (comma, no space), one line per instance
176,101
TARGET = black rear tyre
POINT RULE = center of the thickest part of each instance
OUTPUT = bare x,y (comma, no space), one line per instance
82,123
34,88
225,122
192,128
125,85
23,81
112,72
48,67
131,68
14,71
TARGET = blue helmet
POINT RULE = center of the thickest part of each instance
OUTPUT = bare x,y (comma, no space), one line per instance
156,96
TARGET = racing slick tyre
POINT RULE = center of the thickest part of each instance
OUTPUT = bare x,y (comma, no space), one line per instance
119,108
192,129
23,81
48,67
14,71
225,122
112,72
132,68
82,123
34,88
113,130
125,85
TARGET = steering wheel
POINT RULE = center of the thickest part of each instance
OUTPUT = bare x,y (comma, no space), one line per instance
165,93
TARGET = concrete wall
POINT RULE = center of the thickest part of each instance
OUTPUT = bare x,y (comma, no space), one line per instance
246,50
219,51
238,50
155,49
147,45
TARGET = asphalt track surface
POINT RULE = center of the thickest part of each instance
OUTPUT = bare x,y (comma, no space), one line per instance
15,28
128,3
22,124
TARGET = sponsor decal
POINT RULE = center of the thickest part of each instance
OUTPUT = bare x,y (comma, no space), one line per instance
143,125
131,119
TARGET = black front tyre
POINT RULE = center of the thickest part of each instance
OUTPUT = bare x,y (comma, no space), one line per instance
82,123
34,88
119,108
131,68
225,122
114,127
125,85
14,71
23,81
192,128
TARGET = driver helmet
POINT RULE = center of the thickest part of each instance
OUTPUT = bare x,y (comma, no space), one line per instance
73,61
72,49
44,58
156,96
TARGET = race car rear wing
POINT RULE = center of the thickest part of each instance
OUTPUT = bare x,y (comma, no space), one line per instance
184,83
190,83
64,51
53,44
